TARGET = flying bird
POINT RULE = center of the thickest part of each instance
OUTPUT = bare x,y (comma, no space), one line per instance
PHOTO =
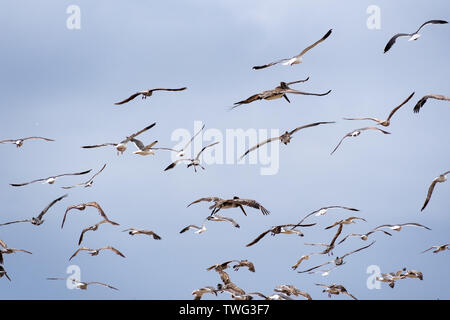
84,285
244,263
412,36
7,250
181,152
303,258
335,289
200,292
441,178
236,202
364,236
296,59
121,146
39,219
329,246
387,122
193,226
192,162
284,138
277,93
19,142
292,290
95,252
398,227
95,228
322,211
134,231
88,183
147,93
143,150
424,99
82,207
50,180
356,133
280,229
349,220
216,217
436,248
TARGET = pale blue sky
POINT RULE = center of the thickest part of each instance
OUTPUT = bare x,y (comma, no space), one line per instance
62,84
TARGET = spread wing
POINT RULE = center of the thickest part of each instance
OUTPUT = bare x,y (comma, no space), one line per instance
42,138
254,97
173,164
189,227
129,98
340,142
393,39
134,135
252,204
430,192
208,199
308,126
76,252
203,149
12,222
269,64
306,93
50,205
262,235
99,145
431,22
315,43
99,209
113,250
354,251
73,174
258,145
396,108
102,284
424,99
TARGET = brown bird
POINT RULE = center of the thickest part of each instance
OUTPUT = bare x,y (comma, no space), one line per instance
7,250
387,122
95,252
84,285
217,217
441,178
244,263
303,258
356,133
200,292
87,183
19,142
439,248
298,58
292,290
280,229
38,220
278,92
147,93
284,138
121,146
95,228
413,274
82,207
422,101
236,202
50,180
134,231
335,289
391,277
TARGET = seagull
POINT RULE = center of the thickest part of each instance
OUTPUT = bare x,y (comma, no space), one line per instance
278,92
437,248
95,228
398,227
193,226
147,93
181,152
82,207
193,162
391,277
441,178
143,150
38,220
364,236
84,285
422,101
87,183
7,250
387,122
50,180
356,133
134,231
335,289
324,273
323,211
121,146
95,252
413,274
284,138
4,273
413,36
292,290
216,217
280,229
296,59
19,142
303,258
349,220
200,292
236,202
339,260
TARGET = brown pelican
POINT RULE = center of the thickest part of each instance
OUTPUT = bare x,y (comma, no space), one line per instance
87,183
339,260
387,122
236,202
356,133
147,93
50,180
278,92
438,248
95,252
412,36
38,220
296,59
121,146
19,142
280,229
95,228
84,285
422,101
441,178
193,162
134,231
284,138
292,290
335,289
4,273
82,207
7,250
244,263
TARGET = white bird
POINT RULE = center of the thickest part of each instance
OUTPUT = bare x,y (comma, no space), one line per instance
193,162
143,150
356,133
193,226
19,142
50,180
441,178
88,183
147,93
